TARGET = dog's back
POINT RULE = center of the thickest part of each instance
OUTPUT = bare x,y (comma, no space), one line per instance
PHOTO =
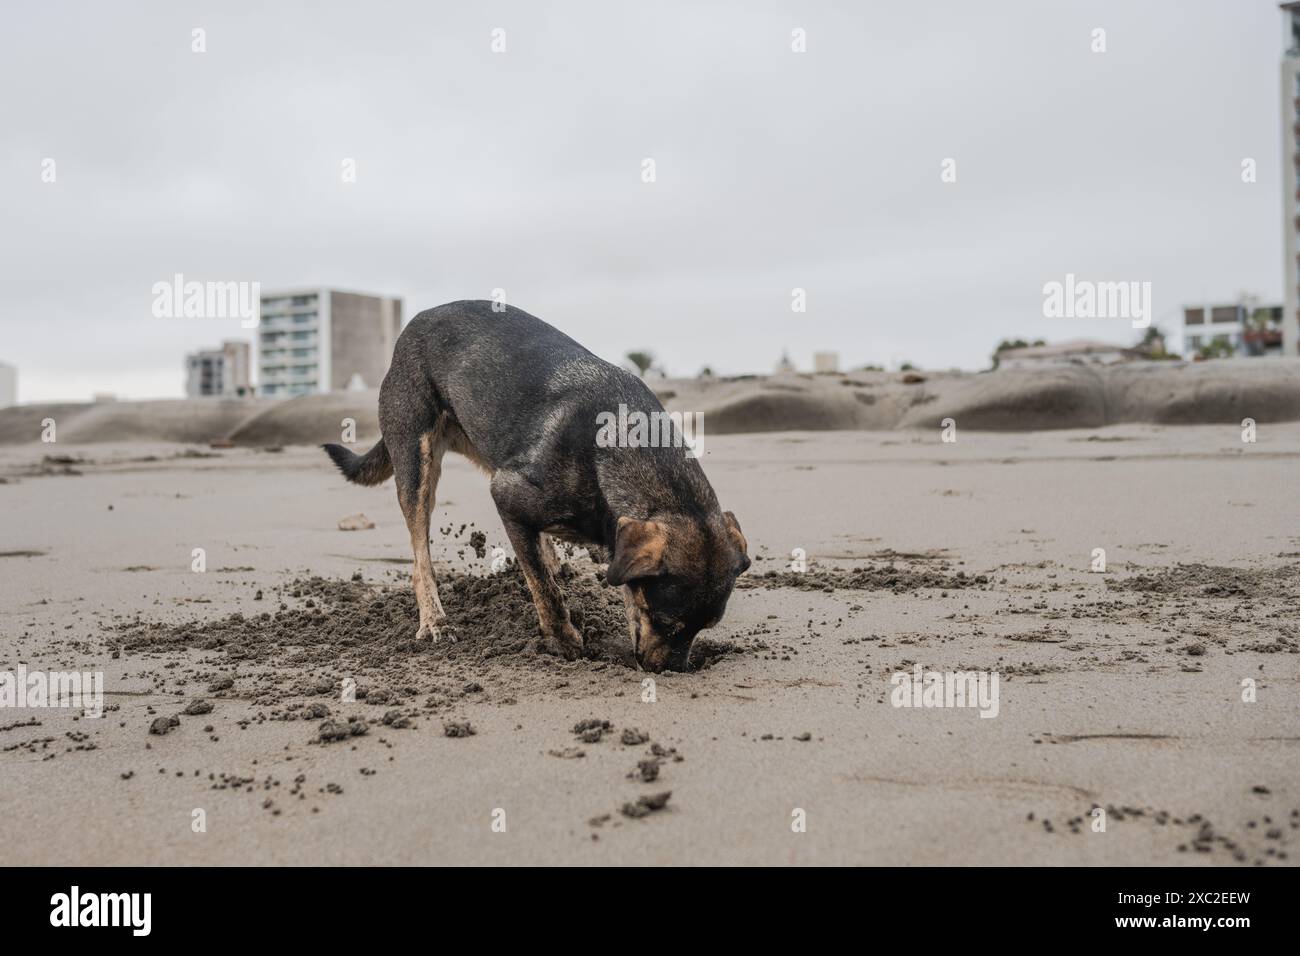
509,380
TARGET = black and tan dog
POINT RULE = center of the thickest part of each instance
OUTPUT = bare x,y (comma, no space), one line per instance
521,400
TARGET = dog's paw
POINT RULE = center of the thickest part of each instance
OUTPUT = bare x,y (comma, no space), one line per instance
546,645
435,631
567,644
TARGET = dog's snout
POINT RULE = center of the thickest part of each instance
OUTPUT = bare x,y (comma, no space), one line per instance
662,655
654,659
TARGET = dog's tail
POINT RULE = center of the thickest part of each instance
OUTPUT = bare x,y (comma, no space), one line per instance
368,469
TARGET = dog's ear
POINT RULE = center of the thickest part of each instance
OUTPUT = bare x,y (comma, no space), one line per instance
638,550
737,539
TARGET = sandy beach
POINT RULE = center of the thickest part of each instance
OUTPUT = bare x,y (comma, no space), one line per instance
1120,689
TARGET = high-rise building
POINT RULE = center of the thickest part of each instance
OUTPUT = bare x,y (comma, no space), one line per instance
8,385
1290,167
324,340
218,372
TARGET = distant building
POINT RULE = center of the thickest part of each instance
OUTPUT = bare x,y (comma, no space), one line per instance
324,340
219,372
1245,329
8,385
784,365
1077,352
826,361
1290,322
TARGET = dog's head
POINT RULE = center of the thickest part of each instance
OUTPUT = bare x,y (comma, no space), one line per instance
677,574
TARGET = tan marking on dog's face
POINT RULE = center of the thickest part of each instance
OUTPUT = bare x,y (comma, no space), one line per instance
661,638
737,536
652,649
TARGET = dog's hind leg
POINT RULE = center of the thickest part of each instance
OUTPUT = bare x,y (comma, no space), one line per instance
417,465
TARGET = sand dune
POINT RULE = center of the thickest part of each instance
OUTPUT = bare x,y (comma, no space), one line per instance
1175,393
310,420
178,420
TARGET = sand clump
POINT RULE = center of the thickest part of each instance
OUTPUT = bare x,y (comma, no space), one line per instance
332,731
1258,842
888,577
160,726
1205,580
643,806
356,522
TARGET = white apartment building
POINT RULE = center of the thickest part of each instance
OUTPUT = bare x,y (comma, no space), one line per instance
323,340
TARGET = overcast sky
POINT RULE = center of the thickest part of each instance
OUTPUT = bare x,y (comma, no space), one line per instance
523,170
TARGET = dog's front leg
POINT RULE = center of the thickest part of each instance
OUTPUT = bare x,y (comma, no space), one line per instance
558,633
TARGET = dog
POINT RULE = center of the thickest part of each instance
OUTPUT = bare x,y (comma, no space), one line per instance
521,400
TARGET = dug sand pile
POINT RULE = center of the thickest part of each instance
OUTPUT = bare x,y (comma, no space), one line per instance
890,577
368,629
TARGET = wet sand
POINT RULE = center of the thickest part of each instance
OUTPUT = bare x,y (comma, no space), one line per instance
1120,689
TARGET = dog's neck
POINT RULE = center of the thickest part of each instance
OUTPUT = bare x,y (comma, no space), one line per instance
679,487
